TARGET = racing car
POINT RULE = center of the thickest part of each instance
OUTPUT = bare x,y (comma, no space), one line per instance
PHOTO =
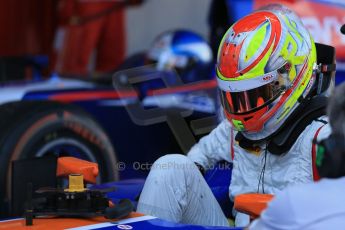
149,113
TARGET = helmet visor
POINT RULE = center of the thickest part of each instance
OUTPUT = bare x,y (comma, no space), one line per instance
251,100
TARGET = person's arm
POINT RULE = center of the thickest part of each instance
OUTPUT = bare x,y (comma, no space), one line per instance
280,213
214,147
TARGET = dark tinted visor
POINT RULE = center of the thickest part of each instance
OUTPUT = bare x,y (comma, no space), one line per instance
250,100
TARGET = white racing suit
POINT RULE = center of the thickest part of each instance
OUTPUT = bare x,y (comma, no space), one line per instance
176,191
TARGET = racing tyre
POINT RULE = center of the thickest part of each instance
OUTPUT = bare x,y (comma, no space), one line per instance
38,128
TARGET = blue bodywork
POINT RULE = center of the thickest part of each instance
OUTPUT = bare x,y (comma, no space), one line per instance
217,178
156,224
132,142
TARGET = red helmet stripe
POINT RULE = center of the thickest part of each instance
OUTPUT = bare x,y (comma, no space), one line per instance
230,52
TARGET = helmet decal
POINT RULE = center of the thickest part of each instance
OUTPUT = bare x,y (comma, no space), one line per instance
238,124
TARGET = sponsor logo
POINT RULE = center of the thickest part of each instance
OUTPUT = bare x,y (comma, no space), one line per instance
123,226
267,78
238,124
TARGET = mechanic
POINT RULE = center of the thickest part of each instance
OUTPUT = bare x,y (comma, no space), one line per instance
274,102
87,27
315,205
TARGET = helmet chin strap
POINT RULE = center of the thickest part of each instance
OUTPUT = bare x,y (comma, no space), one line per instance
257,136
324,77
283,139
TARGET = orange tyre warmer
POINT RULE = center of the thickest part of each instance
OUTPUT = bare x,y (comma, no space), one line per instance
71,165
252,204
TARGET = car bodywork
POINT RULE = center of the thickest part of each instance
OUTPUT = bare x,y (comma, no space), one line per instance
133,141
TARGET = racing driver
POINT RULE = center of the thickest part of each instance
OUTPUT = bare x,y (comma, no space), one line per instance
274,101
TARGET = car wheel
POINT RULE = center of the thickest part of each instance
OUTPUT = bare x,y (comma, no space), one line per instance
39,128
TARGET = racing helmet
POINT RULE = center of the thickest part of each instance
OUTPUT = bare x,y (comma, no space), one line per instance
183,51
266,63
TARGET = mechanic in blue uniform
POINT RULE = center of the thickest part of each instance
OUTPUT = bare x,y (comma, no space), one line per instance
317,205
274,101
